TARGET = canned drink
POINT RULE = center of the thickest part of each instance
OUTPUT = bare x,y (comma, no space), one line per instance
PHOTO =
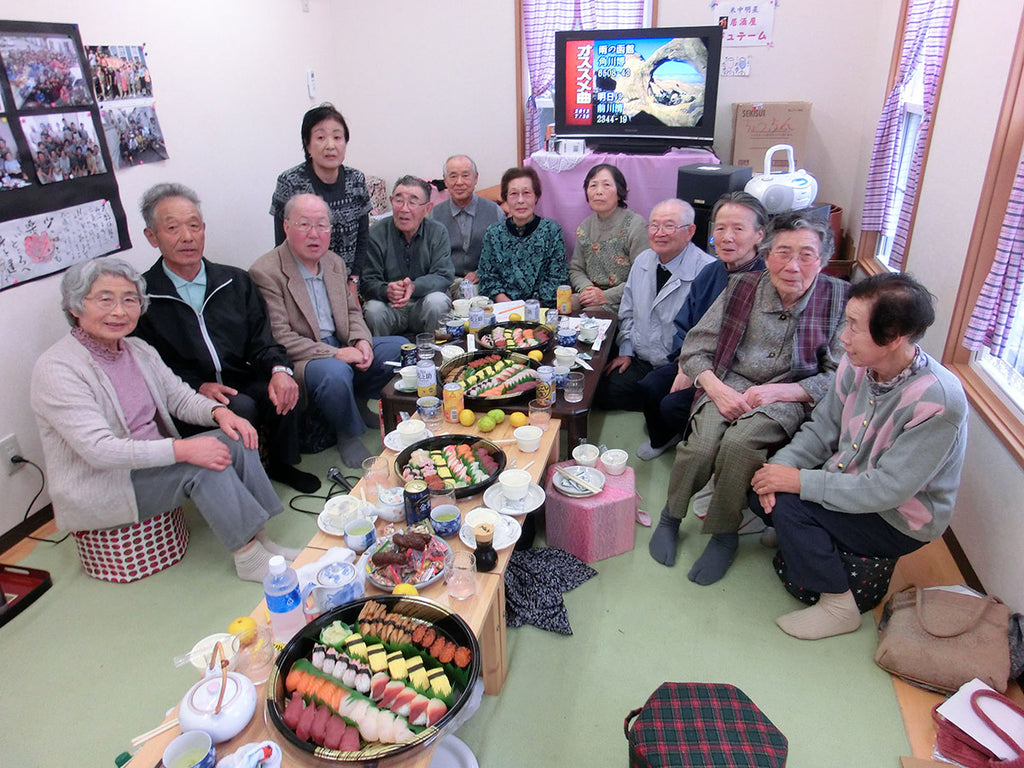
551,318
456,328
546,384
454,401
409,356
476,319
466,289
426,378
417,502
564,299
531,313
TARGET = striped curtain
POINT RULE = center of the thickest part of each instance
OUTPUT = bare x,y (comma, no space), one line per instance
928,26
541,19
993,315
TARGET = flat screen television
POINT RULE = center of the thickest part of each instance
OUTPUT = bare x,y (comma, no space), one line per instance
658,84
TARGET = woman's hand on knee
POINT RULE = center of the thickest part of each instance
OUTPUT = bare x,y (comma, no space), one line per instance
203,451
237,428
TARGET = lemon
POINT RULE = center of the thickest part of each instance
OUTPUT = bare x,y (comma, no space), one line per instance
515,317
535,354
245,628
497,414
518,419
486,424
467,418
404,589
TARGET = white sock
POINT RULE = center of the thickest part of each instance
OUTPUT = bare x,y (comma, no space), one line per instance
833,614
252,562
288,553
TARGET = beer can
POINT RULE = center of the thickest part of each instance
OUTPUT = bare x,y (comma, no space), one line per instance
545,391
454,401
409,354
476,319
417,501
531,313
564,299
426,378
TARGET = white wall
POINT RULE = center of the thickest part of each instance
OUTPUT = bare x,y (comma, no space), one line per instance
418,82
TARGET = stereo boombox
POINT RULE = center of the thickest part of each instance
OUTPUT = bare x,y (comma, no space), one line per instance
780,192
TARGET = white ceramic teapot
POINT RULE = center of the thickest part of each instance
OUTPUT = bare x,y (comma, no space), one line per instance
222,703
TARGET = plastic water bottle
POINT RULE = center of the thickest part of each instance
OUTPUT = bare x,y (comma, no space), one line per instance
284,601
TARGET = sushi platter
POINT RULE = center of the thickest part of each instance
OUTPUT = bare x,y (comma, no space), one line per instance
372,680
413,556
470,463
492,376
514,336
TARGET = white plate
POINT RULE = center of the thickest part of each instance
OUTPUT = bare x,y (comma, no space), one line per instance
592,475
393,440
324,523
203,649
495,499
506,533
400,387
453,753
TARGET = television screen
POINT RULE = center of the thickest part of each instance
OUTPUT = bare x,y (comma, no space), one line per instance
657,83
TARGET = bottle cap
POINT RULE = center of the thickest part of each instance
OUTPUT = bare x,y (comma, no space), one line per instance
276,565
484,534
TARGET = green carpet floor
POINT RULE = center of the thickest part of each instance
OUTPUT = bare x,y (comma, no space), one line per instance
88,666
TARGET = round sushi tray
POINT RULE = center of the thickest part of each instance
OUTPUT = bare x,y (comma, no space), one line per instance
470,370
515,336
376,722
476,463
422,567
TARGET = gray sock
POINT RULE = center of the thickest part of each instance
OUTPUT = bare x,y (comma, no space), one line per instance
718,556
352,452
665,539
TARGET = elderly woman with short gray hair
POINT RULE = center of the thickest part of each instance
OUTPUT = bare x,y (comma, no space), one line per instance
105,405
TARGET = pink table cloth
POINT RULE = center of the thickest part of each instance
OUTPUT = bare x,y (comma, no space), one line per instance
592,527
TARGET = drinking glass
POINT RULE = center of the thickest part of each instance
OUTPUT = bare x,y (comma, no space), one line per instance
442,496
460,575
540,414
425,346
376,472
573,392
429,410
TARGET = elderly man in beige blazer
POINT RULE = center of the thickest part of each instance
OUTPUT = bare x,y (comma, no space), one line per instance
317,320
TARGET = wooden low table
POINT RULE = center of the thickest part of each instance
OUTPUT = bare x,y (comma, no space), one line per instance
574,417
484,612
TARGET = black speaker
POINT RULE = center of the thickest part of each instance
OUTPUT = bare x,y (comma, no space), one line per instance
704,183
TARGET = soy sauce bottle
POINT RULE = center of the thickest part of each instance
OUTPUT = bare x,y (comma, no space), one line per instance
486,557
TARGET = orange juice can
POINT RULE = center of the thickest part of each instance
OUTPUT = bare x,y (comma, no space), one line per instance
454,401
563,300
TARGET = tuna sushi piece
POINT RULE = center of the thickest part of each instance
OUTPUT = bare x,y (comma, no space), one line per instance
334,732
418,709
302,729
318,729
350,740
391,691
400,705
436,709
293,711
377,684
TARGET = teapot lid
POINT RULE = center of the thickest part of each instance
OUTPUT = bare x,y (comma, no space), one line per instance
202,699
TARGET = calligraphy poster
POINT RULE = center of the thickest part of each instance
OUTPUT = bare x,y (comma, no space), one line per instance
60,198
745,23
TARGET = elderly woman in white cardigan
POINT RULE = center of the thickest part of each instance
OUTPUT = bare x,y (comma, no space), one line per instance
104,404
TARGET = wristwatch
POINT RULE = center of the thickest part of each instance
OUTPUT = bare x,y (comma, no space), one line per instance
282,369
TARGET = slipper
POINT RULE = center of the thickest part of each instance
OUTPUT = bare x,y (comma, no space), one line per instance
643,518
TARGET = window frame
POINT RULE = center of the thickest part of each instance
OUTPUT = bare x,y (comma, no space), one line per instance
1007,146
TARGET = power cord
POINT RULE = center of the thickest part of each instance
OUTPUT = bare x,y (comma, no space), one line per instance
42,484
337,479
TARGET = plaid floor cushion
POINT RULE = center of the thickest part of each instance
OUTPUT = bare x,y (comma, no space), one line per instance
702,724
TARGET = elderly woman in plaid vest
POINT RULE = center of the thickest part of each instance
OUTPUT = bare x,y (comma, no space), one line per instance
762,355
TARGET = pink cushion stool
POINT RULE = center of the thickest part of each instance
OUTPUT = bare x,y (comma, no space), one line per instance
592,527
133,552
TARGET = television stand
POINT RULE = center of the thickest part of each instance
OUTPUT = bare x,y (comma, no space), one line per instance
616,145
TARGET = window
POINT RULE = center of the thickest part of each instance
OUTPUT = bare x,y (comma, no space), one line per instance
901,139
986,341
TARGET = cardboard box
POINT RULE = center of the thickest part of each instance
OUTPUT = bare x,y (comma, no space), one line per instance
758,126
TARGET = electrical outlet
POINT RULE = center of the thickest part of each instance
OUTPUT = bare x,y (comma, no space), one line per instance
8,450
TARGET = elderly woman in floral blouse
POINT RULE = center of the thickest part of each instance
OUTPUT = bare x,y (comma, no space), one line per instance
607,241
523,257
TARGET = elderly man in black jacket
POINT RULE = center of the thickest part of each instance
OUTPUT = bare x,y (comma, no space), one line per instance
209,324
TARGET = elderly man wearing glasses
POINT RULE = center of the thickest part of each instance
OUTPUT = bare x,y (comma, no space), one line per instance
408,265
658,284
321,326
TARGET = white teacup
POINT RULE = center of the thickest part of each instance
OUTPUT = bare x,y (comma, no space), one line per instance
478,301
528,438
586,454
461,307
411,431
408,374
515,483
588,331
565,356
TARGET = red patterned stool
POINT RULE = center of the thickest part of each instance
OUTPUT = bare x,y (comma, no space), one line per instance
592,527
133,552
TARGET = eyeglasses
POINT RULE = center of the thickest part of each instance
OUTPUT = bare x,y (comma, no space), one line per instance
668,229
804,258
321,227
405,202
107,302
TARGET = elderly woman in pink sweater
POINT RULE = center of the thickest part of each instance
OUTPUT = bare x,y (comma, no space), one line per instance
105,406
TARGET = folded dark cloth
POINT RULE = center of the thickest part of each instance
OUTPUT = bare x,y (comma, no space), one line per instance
534,583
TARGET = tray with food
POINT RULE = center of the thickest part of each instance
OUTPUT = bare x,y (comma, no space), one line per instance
413,556
514,336
470,463
492,375
372,680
